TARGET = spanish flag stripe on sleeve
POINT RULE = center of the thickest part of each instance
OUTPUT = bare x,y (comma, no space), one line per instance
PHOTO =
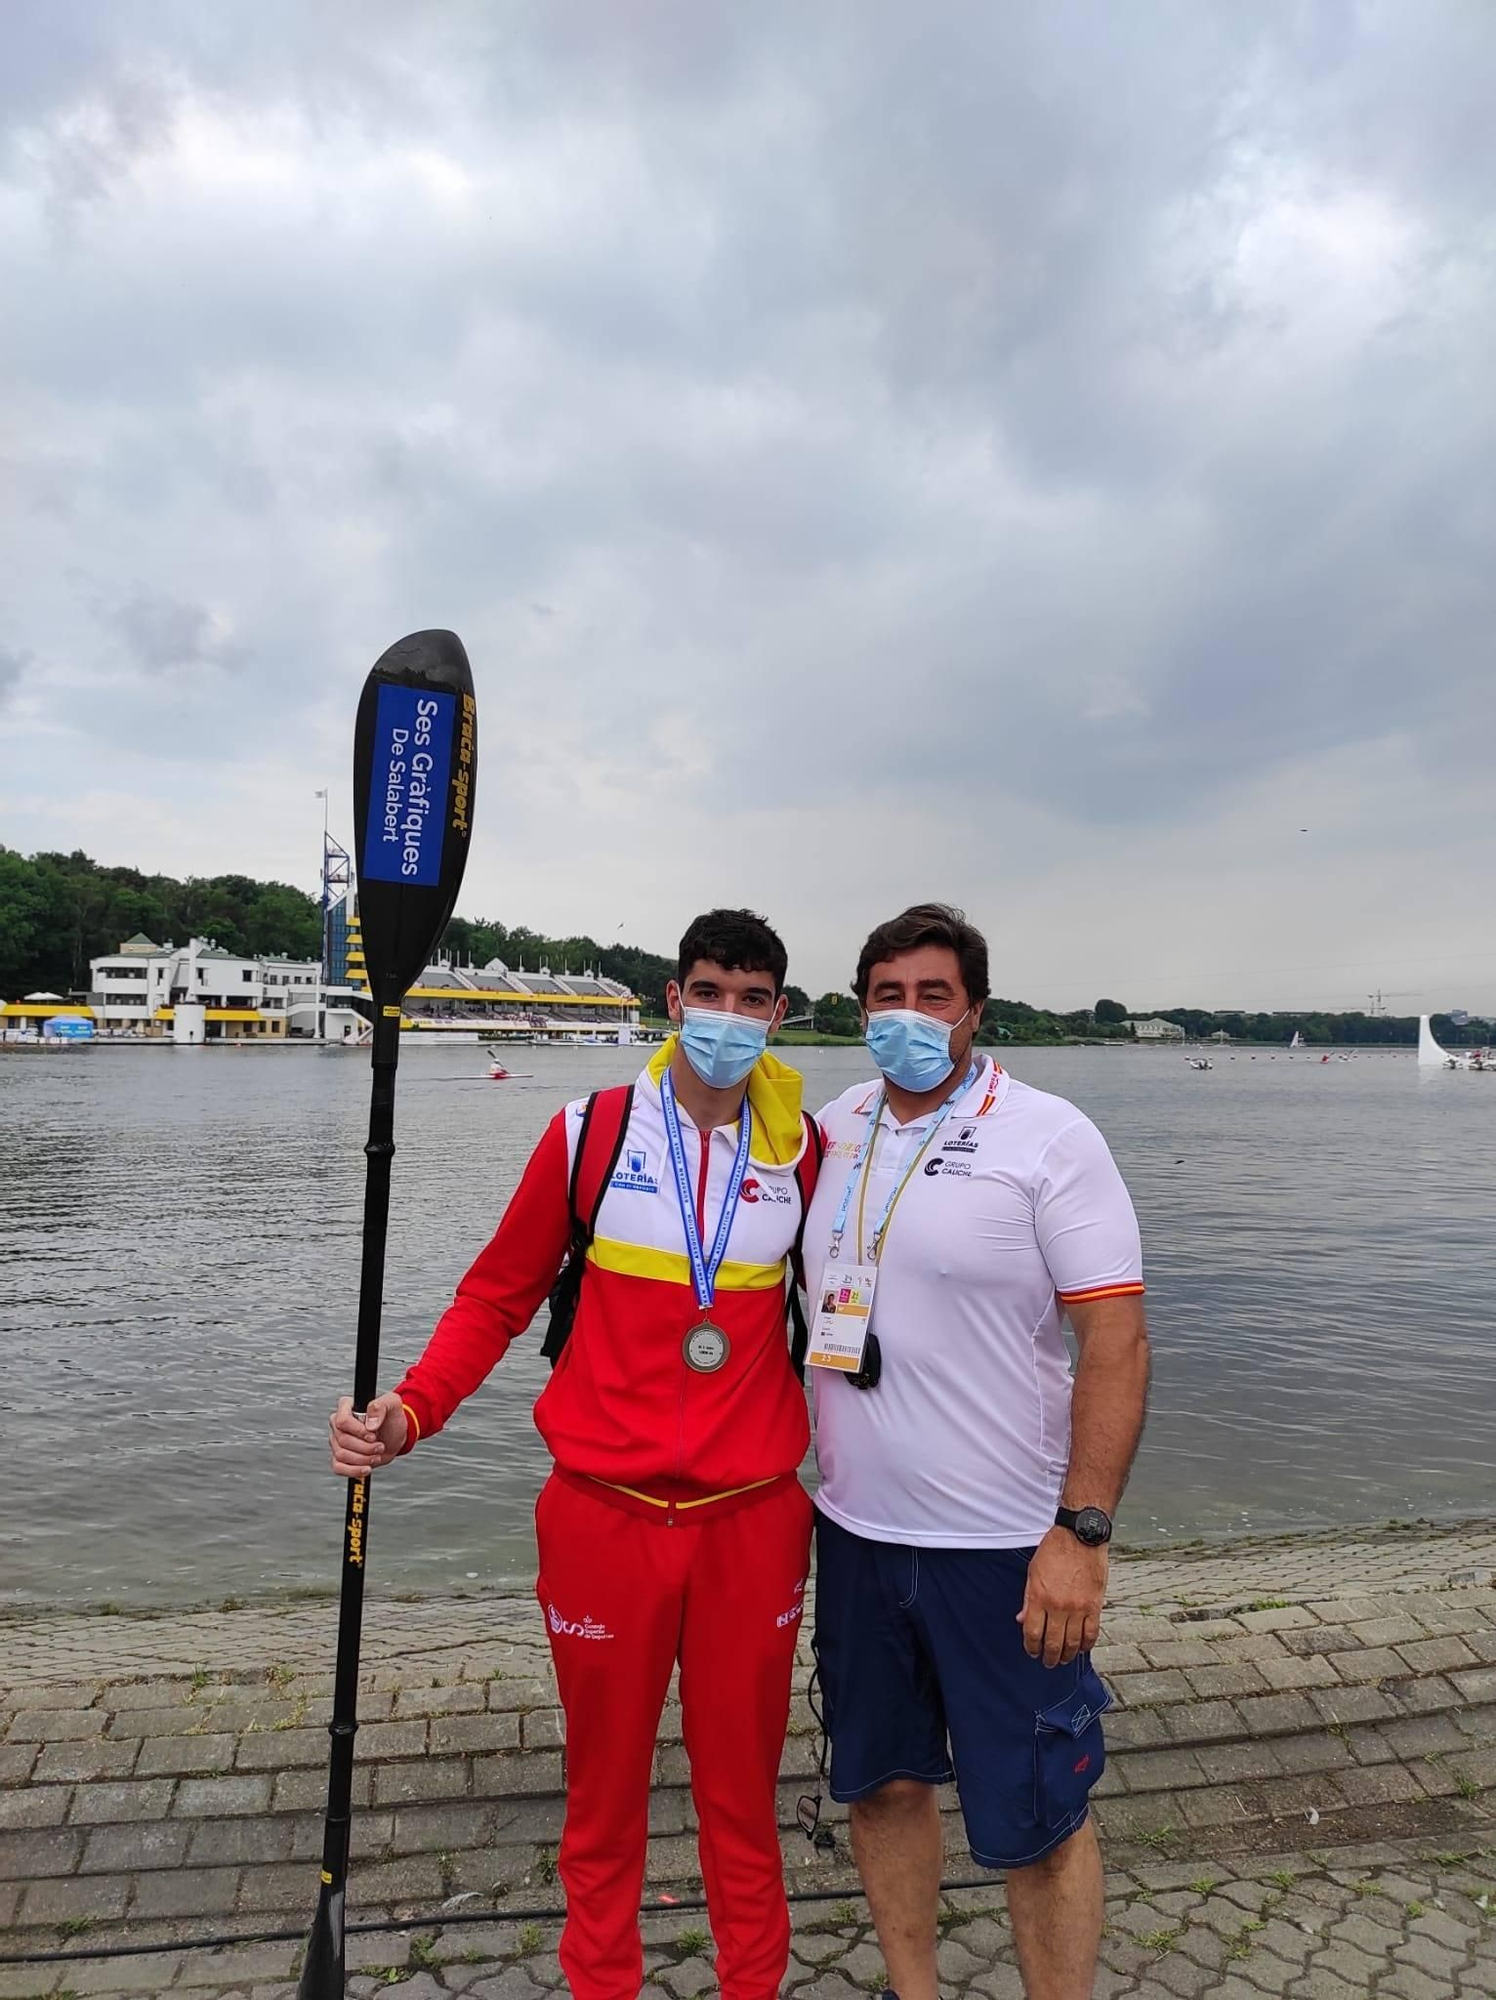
1130,1290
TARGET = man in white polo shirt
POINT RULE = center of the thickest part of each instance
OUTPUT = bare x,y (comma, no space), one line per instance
967,1481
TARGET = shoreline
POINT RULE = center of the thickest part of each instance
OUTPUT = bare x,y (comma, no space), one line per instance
1199,1548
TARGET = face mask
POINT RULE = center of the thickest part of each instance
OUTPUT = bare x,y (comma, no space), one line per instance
721,1048
912,1050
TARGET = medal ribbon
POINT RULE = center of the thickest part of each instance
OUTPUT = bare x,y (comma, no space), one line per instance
861,1171
704,1267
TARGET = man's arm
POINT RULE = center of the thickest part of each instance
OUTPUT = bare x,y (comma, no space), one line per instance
495,1302
1061,1613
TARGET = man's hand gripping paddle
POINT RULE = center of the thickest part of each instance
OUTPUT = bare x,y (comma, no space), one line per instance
415,770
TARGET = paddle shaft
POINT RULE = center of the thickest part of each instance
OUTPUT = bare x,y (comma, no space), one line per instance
323,1974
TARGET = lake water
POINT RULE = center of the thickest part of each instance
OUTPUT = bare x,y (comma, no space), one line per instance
179,1234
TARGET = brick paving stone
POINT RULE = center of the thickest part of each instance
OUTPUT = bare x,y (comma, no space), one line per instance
1425,1695
1317,1751
506,1775
1280,1619
1179,1652
286,1749
1352,1704
100,1805
1136,1729
53,1851
306,1791
280,1886
461,1735
1246,1678
379,1740
1382,1784
16,1760
240,1964
1257,1646
1113,1658
1151,1690
1277,1714
1318,1639
1432,1656
1218,1807
162,1843
56,1725
521,1694
75,1762
1387,1631
544,1729
213,1798
1309,1670
75,1899
1234,1763
181,1756
1203,1722
397,1784
45,1806
466,1698
1370,1663
1162,1770
1422,1735
1409,1982
185,1892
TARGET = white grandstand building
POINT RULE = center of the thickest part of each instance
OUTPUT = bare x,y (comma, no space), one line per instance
502,1000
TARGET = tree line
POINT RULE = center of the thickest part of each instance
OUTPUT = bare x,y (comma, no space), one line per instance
58,911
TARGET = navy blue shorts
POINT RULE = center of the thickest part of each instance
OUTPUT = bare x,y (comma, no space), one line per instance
924,1676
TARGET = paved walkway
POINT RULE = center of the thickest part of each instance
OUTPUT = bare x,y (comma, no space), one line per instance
1300,1798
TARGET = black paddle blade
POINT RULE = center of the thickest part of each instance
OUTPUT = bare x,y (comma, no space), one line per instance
322,1969
415,775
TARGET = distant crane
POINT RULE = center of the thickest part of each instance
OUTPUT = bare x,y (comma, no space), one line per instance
1379,998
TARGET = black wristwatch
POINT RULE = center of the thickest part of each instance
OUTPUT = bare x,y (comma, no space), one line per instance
1088,1524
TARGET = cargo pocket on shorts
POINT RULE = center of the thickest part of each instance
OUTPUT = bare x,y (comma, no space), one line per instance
1069,1750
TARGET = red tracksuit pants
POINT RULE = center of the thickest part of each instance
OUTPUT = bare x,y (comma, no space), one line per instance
626,1596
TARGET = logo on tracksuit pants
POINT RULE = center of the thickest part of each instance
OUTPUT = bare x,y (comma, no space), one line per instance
569,1628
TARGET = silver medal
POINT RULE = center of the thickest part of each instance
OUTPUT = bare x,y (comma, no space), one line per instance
706,1348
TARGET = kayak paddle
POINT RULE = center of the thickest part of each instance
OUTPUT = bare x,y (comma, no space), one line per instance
415,767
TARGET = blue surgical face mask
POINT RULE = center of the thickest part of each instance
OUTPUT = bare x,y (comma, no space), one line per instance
913,1050
721,1047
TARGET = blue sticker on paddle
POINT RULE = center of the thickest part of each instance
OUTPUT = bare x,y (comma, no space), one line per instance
408,786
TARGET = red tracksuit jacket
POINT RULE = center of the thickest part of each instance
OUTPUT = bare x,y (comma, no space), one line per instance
622,1406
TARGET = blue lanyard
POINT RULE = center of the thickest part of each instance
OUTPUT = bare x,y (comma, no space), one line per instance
862,1165
704,1269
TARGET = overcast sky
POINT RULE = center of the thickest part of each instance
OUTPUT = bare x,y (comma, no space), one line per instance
1036,455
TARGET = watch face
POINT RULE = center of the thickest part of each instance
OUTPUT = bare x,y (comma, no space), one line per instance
1092,1527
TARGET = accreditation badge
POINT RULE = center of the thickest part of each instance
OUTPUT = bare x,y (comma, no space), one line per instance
844,1310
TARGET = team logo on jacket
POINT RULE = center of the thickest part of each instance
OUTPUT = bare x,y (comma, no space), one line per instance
572,1628
632,1174
951,1169
965,1141
768,1191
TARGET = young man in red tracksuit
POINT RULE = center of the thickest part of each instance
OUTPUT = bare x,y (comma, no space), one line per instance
673,1528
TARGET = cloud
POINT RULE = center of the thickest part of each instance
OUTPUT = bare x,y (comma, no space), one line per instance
12,666
1027,442
161,633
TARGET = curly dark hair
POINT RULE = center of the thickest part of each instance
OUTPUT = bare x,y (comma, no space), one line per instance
738,941
928,923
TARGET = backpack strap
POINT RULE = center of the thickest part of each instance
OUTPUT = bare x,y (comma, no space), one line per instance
605,1124
807,1172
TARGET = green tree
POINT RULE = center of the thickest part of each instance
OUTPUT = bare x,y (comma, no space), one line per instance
1109,1013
